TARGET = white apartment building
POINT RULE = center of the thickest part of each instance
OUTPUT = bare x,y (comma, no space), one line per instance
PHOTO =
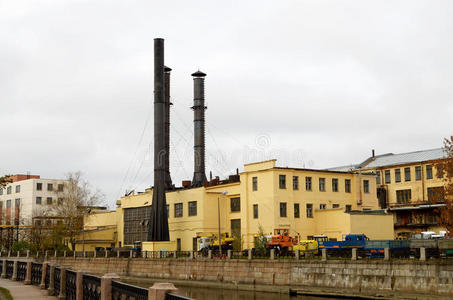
28,196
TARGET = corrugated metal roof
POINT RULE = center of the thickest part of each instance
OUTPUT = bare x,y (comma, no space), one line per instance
347,168
403,158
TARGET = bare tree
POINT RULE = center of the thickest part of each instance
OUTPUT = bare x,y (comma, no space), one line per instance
75,198
445,172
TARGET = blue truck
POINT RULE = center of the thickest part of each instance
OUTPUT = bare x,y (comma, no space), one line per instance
343,248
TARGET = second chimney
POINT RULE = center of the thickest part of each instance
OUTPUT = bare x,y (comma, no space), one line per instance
199,175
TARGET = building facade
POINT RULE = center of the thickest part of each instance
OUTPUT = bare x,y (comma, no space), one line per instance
407,186
264,196
26,197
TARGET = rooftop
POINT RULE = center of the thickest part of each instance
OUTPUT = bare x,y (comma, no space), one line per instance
390,159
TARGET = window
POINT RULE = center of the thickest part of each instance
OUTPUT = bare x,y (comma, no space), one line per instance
50,187
8,203
309,210
436,194
348,208
235,204
366,186
282,181
418,173
308,183
296,210
49,200
335,205
178,210
8,190
255,183
429,172
60,187
282,209
17,203
334,185
1,191
168,210
17,188
38,222
255,211
403,196
387,176
38,200
295,182
192,208
60,201
39,186
322,184
378,177
407,174
322,206
347,185
397,175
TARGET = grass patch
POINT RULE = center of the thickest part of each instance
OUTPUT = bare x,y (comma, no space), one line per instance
6,293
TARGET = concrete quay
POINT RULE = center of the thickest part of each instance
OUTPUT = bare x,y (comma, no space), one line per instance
393,279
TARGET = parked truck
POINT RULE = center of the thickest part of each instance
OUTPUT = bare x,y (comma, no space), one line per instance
210,241
281,241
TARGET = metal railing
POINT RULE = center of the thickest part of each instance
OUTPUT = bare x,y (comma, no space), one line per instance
21,270
36,273
91,286
170,296
122,291
9,268
71,277
56,280
47,278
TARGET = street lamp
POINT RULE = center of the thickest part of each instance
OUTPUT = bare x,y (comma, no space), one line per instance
218,208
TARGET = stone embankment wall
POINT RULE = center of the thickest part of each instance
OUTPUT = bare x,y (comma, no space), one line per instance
386,278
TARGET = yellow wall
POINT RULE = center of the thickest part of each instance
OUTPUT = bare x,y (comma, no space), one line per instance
268,197
89,240
335,223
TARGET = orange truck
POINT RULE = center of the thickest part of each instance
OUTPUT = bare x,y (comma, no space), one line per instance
281,241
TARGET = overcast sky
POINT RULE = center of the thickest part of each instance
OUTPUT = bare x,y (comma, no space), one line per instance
312,83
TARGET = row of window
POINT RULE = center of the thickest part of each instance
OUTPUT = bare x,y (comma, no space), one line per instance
309,209
407,174
309,184
192,208
8,203
9,189
50,187
435,194
49,200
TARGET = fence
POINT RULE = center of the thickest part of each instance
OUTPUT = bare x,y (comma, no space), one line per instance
71,285
122,291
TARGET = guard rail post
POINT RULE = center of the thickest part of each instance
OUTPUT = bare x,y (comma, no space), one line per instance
159,290
28,274
324,254
422,253
106,285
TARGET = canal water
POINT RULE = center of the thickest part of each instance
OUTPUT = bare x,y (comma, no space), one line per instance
225,294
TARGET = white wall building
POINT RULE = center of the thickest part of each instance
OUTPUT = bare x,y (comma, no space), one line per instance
26,197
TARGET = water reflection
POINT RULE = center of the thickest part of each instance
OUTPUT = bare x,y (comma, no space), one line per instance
224,294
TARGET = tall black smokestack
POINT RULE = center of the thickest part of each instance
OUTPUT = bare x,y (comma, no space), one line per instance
168,183
159,220
199,175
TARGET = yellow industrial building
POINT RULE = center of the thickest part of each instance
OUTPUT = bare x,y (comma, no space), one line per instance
306,202
407,187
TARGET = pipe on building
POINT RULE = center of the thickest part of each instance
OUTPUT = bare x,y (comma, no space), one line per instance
159,221
199,175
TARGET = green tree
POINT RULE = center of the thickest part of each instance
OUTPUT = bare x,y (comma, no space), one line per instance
445,172
4,180
260,242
